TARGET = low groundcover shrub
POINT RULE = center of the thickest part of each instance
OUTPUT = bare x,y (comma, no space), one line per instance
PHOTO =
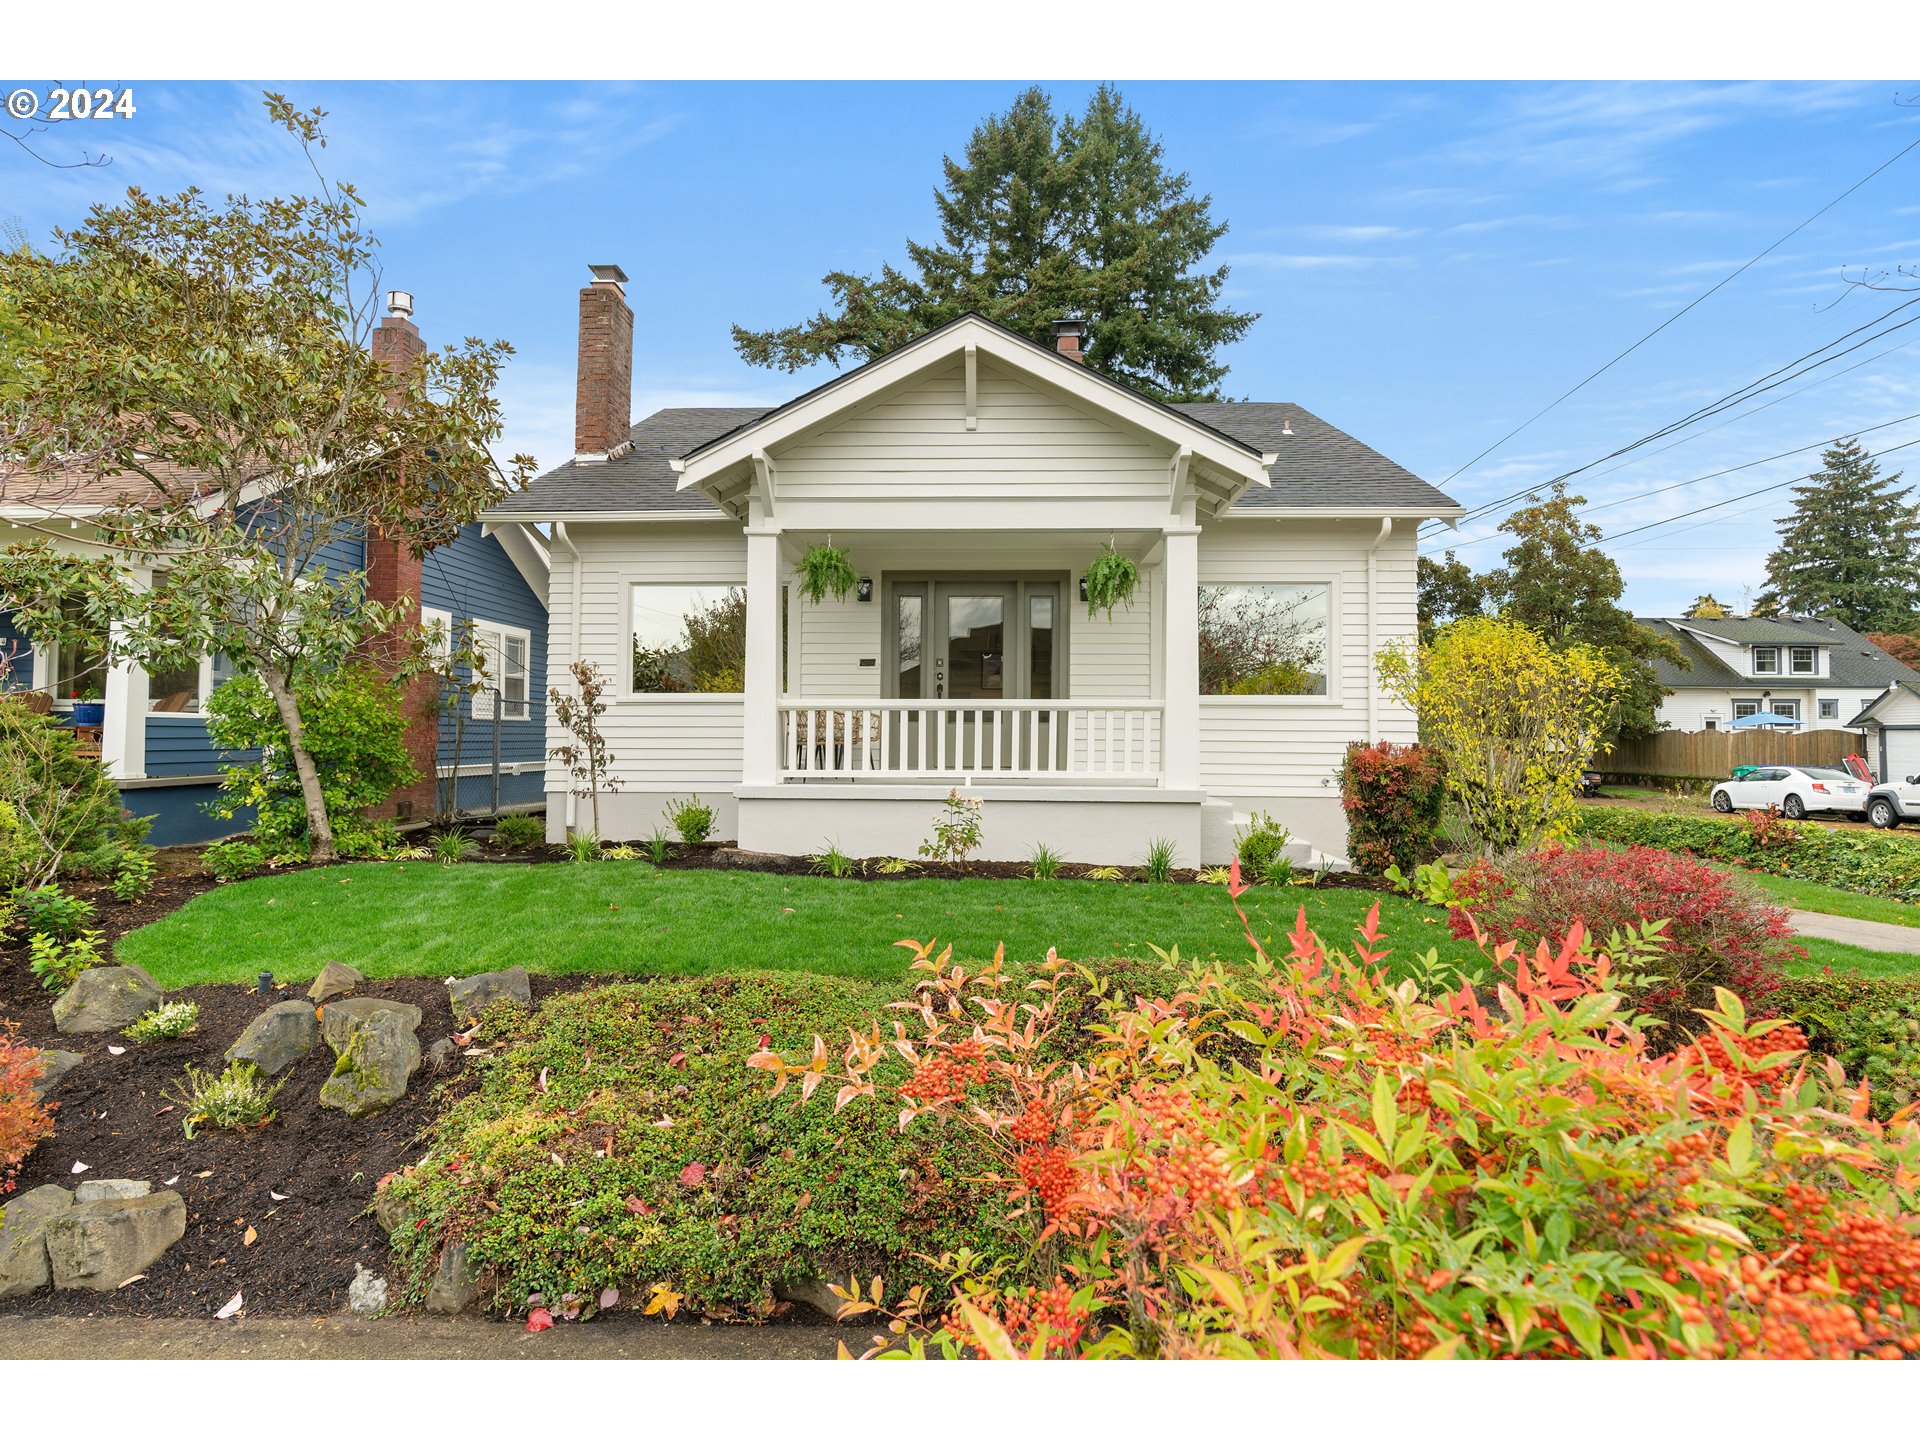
1868,862
1718,931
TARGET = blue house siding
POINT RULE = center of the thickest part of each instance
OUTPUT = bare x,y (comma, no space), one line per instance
178,745
20,675
179,813
474,578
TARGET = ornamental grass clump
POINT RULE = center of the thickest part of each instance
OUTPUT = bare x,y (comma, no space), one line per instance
1300,1158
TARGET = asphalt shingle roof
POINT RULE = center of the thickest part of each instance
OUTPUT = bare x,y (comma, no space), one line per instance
1318,465
1855,661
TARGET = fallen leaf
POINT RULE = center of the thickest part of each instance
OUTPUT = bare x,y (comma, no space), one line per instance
766,1042
174,1181
679,1061
165,1110
276,1195
664,1298
806,1199
543,1079
539,1320
609,1298
693,1174
78,1166
201,1174
231,1308
251,1236
116,1049
665,1122
130,1279
637,1206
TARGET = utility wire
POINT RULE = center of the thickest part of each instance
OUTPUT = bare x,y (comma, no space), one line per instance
1700,479
1567,395
1734,499
1751,390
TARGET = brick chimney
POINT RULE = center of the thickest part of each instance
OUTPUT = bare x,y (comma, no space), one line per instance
1067,333
603,396
393,573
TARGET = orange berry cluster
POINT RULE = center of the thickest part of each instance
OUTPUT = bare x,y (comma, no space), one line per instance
948,1075
1046,1170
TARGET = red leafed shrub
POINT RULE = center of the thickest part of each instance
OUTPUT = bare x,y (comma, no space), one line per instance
1392,795
24,1121
1719,930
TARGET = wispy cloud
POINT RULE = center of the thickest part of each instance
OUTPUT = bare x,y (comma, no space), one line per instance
1357,233
1278,260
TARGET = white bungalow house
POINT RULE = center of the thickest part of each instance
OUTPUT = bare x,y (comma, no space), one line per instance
971,476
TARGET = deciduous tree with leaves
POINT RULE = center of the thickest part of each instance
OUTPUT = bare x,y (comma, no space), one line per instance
1044,217
1850,551
1448,591
213,358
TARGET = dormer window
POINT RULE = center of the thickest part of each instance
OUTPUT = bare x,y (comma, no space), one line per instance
1802,660
1766,659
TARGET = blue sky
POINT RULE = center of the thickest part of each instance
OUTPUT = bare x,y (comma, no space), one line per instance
1432,262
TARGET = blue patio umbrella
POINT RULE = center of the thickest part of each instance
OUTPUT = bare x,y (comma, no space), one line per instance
1764,720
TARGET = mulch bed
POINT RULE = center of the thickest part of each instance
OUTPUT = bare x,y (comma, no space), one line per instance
114,1118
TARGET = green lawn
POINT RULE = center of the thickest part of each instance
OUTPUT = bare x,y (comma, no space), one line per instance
1824,953
1827,900
625,917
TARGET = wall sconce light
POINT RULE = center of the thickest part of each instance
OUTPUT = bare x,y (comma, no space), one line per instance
1083,588
863,592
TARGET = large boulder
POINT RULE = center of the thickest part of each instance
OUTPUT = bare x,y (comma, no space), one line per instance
335,979
456,1285
277,1037
473,993
23,1239
101,1244
106,998
54,1067
376,1053
111,1190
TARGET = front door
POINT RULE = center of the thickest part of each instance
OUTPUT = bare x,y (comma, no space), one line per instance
966,645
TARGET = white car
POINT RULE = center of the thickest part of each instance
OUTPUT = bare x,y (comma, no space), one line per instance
1894,803
1796,790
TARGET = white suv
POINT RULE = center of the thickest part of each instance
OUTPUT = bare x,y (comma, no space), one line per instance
1896,801
1796,789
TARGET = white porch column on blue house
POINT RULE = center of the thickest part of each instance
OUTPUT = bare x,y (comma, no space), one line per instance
760,725
1180,732
123,731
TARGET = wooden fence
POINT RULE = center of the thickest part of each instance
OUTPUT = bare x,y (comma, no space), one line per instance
1712,754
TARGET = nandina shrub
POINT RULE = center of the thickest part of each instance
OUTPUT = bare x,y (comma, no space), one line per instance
24,1120
1393,796
1719,931
1303,1159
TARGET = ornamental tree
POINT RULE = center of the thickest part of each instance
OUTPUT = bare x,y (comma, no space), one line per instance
211,363
1850,550
1513,720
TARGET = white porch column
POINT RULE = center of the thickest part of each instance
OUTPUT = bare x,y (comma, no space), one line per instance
760,729
1180,732
123,732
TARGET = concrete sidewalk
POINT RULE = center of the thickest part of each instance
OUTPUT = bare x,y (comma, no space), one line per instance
412,1338
1867,934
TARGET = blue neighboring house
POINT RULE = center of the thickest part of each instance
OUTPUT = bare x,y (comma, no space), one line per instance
150,730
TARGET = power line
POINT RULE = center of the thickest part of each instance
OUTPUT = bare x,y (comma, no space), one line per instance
1751,390
1734,499
1700,479
1677,314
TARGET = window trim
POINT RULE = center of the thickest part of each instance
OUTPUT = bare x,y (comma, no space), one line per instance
1828,709
479,702
1793,705
1773,652
1754,708
626,694
1336,672
1794,652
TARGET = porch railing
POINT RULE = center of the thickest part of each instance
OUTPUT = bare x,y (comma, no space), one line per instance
1004,739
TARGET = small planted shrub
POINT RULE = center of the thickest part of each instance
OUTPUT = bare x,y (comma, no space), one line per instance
450,847
892,865
692,820
49,910
1044,862
238,1098
834,861
956,829
659,846
1869,1023
164,1022
1262,848
24,1120
1719,933
133,879
516,832
1393,796
72,801
229,860
583,845
1157,868
57,963
356,839
1104,872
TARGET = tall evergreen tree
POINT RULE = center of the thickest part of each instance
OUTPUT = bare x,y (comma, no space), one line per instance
1850,550
1043,218
1705,607
1558,581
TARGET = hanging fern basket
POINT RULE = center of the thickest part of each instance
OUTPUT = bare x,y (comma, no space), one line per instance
824,569
1110,581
